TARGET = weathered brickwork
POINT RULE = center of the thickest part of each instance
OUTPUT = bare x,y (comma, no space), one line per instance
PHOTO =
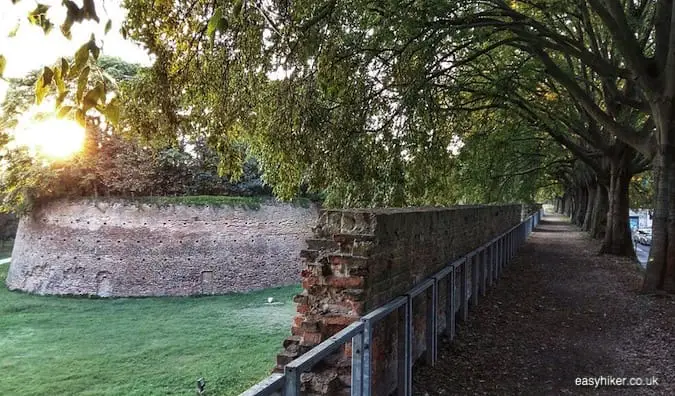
117,248
361,259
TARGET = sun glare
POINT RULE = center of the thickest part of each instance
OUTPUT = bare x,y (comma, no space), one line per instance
54,138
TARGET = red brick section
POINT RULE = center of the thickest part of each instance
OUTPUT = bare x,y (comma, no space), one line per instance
361,259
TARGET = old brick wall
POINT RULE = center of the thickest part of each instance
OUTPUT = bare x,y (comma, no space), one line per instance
359,260
118,248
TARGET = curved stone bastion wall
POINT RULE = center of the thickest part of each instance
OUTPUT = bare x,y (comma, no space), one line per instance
122,248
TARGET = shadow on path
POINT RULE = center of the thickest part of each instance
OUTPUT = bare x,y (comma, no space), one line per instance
560,312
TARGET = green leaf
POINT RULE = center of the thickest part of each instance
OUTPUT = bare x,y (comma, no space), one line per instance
124,32
47,75
38,17
58,80
238,5
41,89
89,10
92,97
79,117
222,24
61,98
74,12
12,33
81,58
82,81
64,67
93,48
3,64
108,26
66,26
64,111
112,111
214,22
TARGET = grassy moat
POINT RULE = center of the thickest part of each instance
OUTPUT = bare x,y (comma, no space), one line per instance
139,346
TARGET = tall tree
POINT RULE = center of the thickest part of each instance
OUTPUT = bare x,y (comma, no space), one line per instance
631,46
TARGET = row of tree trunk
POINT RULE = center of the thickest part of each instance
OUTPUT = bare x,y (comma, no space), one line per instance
599,203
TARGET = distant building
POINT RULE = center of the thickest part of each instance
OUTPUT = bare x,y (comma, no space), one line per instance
640,218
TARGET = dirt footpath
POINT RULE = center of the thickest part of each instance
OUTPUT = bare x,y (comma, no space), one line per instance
560,314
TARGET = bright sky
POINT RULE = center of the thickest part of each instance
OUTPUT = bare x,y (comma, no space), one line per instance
30,49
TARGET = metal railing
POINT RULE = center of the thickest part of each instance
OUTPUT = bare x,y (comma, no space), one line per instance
485,263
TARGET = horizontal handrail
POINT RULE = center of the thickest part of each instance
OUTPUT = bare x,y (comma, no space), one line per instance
421,287
449,268
386,309
274,384
325,348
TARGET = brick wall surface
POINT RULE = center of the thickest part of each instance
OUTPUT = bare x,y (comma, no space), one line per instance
360,259
116,248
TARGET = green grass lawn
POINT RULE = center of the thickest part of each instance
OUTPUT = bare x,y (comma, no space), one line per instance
145,346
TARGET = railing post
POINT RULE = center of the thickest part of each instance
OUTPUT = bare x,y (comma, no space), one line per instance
404,341
474,279
408,347
483,271
505,255
431,337
450,307
500,257
367,357
464,301
512,244
292,386
490,263
357,365
496,261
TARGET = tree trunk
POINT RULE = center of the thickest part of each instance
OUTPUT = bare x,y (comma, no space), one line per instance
590,205
617,234
600,210
577,206
580,213
660,273
569,205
